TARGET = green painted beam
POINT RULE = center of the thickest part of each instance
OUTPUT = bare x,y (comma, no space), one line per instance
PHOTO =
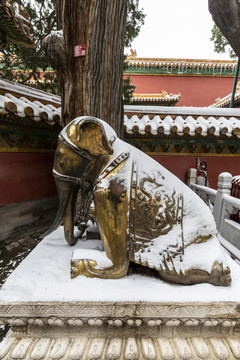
176,71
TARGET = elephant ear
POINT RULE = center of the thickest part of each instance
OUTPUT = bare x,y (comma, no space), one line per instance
90,135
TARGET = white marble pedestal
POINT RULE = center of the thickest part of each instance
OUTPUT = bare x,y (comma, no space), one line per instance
54,317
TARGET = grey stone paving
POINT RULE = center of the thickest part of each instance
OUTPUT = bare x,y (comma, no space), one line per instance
19,245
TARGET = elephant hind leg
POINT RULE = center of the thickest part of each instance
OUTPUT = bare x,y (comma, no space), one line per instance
218,276
88,268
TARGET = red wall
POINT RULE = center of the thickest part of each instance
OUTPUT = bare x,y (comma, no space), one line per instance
179,165
195,90
25,176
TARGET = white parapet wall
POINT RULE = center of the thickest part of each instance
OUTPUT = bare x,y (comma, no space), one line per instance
222,206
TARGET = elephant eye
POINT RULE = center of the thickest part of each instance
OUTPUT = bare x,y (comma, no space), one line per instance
61,164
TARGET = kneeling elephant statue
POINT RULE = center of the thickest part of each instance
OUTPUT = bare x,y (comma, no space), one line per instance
145,214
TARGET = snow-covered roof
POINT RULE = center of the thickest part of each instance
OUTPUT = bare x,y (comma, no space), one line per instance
25,101
157,120
225,101
156,99
190,63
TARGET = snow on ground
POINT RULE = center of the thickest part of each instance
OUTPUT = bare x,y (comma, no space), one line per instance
45,276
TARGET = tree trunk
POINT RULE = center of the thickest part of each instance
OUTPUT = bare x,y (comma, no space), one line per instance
92,84
226,15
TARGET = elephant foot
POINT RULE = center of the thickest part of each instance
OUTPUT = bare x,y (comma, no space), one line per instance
87,267
218,276
81,268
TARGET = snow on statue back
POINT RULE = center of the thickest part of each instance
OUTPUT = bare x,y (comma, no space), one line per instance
145,214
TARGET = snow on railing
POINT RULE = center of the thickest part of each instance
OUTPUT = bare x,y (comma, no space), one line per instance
207,194
222,205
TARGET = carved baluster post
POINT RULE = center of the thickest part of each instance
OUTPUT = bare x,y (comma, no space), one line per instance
192,176
224,187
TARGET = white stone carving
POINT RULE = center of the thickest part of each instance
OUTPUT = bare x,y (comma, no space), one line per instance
172,323
234,344
132,322
75,322
96,348
40,349
59,349
38,322
116,323
77,348
114,349
166,349
191,322
95,322
20,351
6,345
17,322
126,347
183,349
55,322
151,323
228,323
148,349
201,348
131,350
219,348
201,317
210,323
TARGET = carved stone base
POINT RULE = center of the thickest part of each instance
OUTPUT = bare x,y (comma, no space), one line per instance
204,326
134,331
117,348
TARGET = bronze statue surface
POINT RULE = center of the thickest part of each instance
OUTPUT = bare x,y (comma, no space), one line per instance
145,214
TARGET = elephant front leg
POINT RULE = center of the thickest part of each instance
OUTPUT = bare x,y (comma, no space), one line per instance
111,208
87,267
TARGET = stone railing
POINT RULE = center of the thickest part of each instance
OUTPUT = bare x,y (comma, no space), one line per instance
222,206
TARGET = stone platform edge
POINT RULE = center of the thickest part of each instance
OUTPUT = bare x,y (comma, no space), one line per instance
226,314
121,331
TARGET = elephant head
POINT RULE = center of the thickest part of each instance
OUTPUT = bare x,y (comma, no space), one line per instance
84,148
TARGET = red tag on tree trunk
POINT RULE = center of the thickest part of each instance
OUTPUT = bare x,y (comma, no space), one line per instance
79,50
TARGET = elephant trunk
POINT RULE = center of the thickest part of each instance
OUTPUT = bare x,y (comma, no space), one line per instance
67,194
68,220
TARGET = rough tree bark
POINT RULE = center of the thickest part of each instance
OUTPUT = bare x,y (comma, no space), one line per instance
92,84
226,15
